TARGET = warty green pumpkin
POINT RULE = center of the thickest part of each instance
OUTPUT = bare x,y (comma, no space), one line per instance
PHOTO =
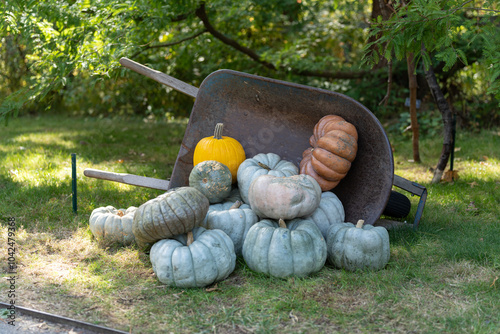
296,248
213,179
196,259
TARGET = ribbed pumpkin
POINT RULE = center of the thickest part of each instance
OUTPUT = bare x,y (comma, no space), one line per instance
307,168
234,196
198,259
223,149
331,122
334,147
358,247
235,219
330,211
109,224
177,211
282,250
213,179
262,164
284,197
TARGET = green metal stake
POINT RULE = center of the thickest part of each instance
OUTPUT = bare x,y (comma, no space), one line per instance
73,172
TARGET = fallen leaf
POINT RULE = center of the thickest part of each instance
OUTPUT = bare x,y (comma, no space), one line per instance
178,295
494,281
293,317
212,289
450,176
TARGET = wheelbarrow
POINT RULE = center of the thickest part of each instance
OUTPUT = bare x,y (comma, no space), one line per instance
267,115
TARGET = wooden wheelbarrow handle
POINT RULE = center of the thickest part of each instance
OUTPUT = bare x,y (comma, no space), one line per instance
135,180
160,77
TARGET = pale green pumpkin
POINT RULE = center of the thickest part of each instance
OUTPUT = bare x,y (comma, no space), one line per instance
358,247
112,225
262,164
283,250
235,219
196,259
177,211
330,211
284,197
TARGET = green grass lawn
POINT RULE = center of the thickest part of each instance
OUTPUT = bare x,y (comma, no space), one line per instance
442,278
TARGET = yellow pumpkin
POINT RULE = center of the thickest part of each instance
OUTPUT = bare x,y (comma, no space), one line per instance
223,149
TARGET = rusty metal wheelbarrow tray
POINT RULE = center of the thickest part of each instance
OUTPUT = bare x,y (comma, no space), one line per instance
267,115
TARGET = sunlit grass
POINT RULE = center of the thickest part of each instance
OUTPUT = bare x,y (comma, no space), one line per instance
441,278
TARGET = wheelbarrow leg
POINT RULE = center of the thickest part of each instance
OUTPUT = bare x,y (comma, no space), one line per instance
415,189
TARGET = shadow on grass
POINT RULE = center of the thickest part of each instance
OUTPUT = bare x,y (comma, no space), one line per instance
51,205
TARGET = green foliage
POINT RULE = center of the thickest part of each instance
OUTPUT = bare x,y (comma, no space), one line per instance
69,46
440,31
64,54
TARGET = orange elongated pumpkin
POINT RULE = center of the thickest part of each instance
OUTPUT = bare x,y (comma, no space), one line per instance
331,122
334,146
307,168
223,149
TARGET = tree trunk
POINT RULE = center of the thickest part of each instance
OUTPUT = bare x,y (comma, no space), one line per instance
446,114
379,8
412,83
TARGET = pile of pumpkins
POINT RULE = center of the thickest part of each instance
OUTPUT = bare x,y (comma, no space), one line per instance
284,221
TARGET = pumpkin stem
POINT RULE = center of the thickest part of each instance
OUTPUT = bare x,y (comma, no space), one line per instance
190,238
282,223
120,213
360,223
236,205
264,166
218,130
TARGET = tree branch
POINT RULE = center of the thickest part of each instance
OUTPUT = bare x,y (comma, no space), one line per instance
389,85
202,14
166,45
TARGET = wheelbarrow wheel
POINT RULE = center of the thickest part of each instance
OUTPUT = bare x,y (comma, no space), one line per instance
398,205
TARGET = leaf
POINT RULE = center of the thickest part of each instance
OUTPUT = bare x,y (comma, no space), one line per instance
450,176
212,289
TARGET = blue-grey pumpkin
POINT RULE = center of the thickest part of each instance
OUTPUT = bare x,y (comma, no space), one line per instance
196,259
330,211
175,212
358,247
109,224
282,250
262,164
235,219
